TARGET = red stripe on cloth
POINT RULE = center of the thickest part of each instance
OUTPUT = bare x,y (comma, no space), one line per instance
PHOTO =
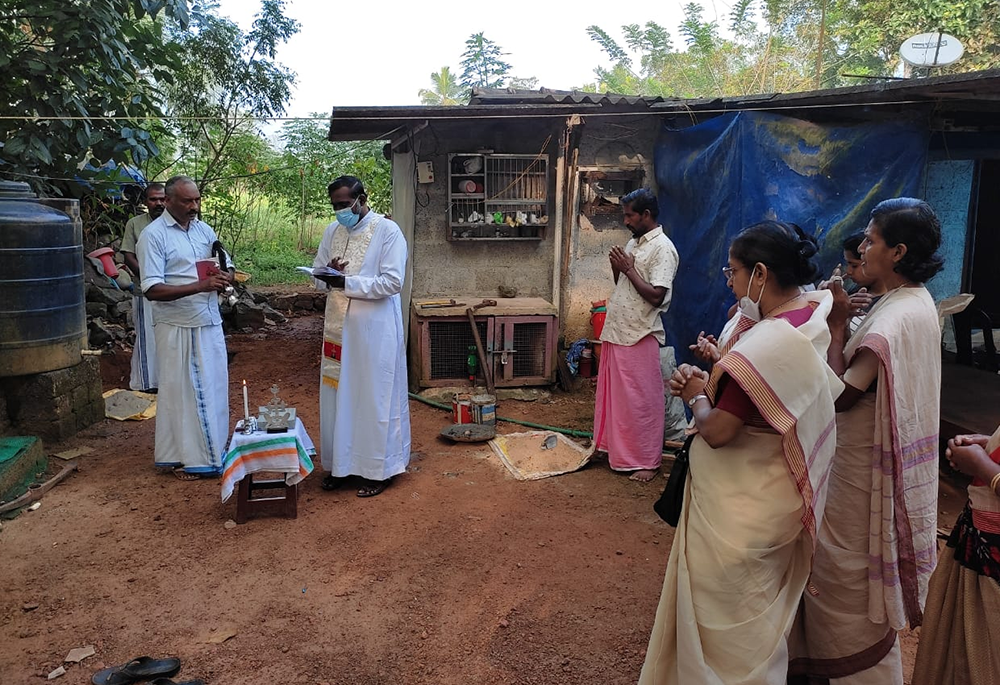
905,547
331,350
246,459
986,521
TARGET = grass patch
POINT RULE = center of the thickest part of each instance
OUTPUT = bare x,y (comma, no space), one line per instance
271,257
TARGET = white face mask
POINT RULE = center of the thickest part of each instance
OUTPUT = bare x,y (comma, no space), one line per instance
748,307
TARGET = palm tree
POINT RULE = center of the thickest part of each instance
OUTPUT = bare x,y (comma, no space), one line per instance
446,90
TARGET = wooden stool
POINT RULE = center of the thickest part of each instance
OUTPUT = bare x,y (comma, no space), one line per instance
247,503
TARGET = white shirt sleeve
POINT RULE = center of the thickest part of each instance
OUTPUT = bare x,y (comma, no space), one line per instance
391,271
323,255
152,258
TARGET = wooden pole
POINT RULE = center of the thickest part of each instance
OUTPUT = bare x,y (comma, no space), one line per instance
487,371
36,494
302,210
819,47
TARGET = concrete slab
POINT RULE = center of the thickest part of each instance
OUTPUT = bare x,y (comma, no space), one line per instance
21,460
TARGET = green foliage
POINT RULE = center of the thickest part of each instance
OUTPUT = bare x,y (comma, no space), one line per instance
89,60
700,36
794,45
873,30
228,80
444,92
309,162
482,63
272,258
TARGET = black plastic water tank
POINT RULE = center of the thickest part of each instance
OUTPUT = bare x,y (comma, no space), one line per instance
43,316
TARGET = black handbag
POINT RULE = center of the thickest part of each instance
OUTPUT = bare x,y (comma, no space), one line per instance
672,500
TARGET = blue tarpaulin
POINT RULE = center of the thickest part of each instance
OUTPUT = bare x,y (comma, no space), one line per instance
727,173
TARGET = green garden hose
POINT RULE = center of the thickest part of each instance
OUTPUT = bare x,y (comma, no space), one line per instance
555,429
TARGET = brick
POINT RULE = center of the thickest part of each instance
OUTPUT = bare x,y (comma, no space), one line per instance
53,430
95,392
90,370
60,407
89,414
80,397
4,419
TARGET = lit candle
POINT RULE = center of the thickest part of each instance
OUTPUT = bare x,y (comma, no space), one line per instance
246,404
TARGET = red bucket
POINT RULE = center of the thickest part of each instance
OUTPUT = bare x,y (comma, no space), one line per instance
598,313
461,408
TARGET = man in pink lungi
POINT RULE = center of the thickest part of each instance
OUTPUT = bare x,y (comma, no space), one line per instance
628,416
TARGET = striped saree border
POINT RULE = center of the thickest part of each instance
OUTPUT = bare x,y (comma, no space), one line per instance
842,667
906,550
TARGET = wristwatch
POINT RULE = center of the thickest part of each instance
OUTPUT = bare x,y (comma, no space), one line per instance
693,400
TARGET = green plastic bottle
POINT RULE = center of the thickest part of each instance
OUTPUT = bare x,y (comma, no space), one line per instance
471,364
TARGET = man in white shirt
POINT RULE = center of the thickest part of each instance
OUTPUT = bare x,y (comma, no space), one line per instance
192,416
144,351
629,409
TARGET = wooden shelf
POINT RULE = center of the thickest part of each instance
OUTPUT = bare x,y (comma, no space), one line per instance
472,239
521,180
466,224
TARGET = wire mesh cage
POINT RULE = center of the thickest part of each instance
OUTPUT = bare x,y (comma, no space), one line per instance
530,345
450,345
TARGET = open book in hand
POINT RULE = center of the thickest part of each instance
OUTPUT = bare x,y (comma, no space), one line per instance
319,271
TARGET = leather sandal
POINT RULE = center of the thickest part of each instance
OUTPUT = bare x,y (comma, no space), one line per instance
138,669
373,487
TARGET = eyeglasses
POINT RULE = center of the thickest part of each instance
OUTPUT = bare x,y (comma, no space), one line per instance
337,206
728,271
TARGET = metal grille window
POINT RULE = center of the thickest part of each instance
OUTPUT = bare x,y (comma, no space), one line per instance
497,197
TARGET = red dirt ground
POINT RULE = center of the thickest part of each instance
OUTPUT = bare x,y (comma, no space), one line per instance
456,574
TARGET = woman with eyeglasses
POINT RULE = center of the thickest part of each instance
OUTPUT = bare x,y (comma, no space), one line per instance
877,542
765,418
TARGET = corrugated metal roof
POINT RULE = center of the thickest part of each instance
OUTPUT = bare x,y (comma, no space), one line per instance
977,86
976,91
503,96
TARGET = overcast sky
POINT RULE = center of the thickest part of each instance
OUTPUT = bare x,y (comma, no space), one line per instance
382,52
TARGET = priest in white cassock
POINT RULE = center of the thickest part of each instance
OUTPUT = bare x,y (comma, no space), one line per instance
364,409
192,414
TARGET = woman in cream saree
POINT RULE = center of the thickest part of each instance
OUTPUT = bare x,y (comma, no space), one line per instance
877,547
743,547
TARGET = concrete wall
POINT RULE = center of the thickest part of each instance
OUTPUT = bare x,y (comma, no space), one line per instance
54,405
948,189
606,143
446,268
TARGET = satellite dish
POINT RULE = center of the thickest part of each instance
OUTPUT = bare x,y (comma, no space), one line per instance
933,49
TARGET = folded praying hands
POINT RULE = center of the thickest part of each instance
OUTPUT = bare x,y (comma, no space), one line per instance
688,381
706,348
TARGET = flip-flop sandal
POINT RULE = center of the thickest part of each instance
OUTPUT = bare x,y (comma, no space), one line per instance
373,487
139,669
330,482
181,474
